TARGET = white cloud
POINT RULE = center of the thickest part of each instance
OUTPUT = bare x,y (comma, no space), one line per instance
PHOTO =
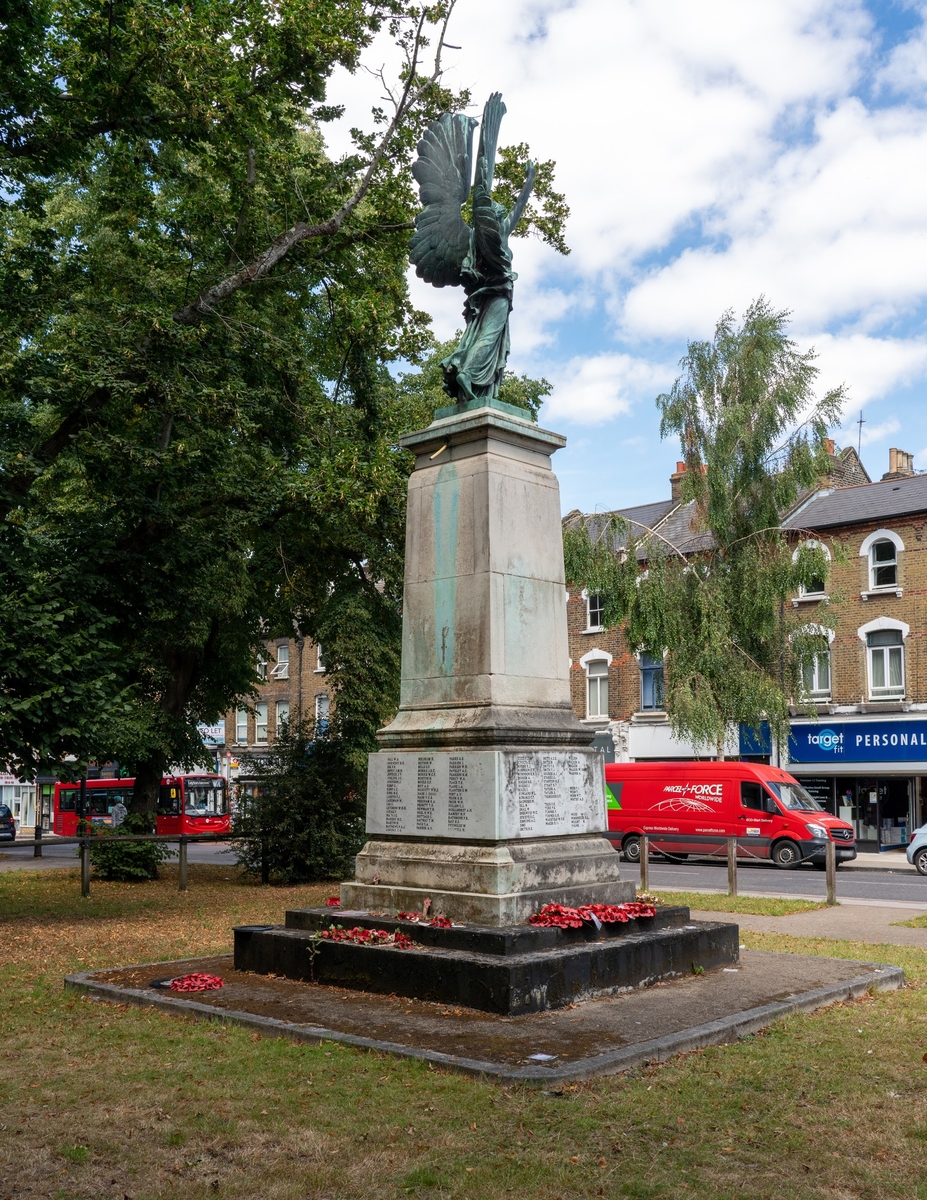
870,366
711,151
589,390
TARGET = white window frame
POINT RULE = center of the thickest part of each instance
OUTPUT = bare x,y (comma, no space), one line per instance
281,714
323,700
865,551
590,628
261,667
596,656
320,667
241,722
820,694
804,596
260,721
281,669
879,625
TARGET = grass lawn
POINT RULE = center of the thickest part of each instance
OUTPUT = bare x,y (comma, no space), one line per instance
763,906
99,1100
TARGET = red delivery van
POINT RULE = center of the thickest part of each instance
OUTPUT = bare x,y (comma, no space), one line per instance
693,807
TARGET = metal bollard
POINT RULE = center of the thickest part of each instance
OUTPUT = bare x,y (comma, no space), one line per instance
645,863
37,848
732,866
182,863
85,867
830,858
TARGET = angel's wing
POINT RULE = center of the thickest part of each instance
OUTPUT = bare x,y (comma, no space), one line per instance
443,169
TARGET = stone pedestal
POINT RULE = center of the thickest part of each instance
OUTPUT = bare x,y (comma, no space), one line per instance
485,797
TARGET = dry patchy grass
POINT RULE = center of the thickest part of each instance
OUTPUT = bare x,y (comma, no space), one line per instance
100,1100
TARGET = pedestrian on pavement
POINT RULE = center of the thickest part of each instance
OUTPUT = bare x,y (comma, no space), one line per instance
119,813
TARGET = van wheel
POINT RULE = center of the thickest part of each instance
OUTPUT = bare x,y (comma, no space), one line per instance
631,849
786,855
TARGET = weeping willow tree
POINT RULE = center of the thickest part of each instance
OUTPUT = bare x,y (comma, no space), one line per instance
715,598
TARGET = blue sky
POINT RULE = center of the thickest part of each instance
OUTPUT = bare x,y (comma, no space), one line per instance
711,151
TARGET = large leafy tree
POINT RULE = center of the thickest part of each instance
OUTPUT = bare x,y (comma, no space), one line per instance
198,312
716,598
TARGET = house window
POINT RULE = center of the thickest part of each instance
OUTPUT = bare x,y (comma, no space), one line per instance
319,660
815,676
885,648
595,607
283,714
241,727
260,723
597,688
281,668
322,709
651,681
883,564
262,667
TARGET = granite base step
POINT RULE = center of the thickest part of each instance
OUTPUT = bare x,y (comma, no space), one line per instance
509,970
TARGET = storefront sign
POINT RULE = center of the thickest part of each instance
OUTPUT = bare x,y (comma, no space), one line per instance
846,741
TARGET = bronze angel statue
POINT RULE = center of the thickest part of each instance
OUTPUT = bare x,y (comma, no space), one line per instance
448,252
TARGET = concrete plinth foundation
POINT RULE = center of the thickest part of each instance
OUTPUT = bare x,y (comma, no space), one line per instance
500,883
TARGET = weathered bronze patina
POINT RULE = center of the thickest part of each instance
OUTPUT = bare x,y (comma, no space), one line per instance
447,252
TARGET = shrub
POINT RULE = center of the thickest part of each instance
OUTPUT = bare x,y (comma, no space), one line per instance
114,858
307,822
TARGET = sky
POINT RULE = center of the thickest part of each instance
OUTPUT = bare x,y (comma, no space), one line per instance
711,151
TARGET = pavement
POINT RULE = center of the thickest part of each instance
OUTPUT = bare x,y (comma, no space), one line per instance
875,922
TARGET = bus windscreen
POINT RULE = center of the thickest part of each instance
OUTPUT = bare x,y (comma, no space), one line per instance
205,797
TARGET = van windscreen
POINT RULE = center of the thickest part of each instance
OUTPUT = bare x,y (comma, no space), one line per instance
793,796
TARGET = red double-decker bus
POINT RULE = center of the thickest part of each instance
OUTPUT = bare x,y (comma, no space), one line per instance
189,804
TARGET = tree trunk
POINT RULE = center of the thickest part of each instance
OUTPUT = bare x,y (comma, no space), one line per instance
147,782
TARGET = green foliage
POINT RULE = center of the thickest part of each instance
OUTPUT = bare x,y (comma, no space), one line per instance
547,211
114,858
719,604
424,389
152,473
307,821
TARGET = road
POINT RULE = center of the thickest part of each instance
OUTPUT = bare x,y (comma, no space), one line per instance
759,878
18,856
765,879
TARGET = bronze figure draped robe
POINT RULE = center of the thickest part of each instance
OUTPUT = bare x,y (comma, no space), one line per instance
448,252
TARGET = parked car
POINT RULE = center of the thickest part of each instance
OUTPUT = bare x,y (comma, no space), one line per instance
693,807
917,850
7,824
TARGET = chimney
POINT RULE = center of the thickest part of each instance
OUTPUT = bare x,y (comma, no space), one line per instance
900,464
676,480
829,443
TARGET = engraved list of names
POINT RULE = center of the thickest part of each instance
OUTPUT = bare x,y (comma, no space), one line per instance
483,794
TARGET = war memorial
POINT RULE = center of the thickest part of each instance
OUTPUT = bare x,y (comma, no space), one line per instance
487,903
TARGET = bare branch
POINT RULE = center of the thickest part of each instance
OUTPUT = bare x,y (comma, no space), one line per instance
206,301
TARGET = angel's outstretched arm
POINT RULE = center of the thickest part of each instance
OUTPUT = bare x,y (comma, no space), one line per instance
519,206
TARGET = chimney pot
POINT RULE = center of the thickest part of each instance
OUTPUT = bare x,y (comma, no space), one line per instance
900,464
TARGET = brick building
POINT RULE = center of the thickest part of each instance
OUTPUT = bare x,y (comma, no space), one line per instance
294,686
866,756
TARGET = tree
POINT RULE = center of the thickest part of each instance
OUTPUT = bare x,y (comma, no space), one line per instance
753,439
200,309
307,819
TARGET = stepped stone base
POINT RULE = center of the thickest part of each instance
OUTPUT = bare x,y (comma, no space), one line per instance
510,971
497,884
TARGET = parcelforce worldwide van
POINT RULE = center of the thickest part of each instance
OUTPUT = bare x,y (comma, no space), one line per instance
701,804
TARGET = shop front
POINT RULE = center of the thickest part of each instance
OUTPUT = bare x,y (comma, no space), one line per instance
870,773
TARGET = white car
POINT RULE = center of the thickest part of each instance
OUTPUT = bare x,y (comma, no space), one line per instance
917,850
